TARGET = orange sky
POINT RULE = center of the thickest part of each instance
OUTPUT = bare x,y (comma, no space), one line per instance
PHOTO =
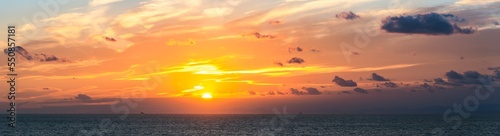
241,51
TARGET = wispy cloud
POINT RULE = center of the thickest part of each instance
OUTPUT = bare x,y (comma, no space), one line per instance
475,2
50,67
397,66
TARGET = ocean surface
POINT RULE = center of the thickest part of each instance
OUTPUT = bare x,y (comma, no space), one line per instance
272,124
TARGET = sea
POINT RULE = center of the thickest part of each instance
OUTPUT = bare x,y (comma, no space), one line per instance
252,124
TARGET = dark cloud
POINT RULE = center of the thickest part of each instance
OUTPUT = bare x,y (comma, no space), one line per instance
296,60
360,90
453,18
296,91
21,51
261,36
453,75
468,77
496,74
472,74
301,49
312,91
279,64
496,71
271,93
47,58
252,92
377,77
355,53
494,68
495,23
298,49
315,50
427,87
83,97
111,39
280,93
430,24
344,83
389,85
347,15
42,57
309,91
440,81
344,92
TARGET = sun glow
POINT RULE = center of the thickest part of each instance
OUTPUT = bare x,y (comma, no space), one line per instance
195,88
206,96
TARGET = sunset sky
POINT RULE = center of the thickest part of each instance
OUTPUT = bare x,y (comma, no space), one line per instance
250,56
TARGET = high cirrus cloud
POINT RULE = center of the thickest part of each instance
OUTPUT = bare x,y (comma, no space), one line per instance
429,24
344,83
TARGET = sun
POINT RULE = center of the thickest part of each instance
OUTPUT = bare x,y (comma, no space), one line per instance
206,96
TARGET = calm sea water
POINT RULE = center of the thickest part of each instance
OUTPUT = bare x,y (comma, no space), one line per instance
486,124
